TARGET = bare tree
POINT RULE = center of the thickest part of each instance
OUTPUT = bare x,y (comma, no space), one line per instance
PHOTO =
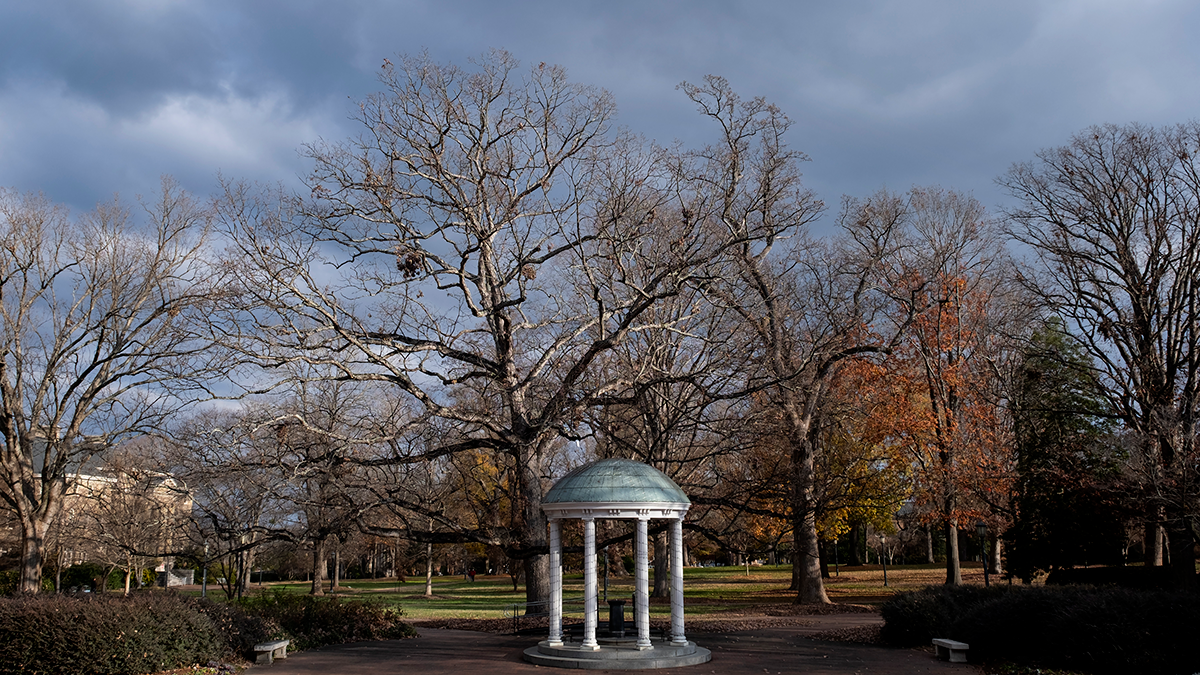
234,482
805,305
1113,222
479,247
132,513
322,440
666,417
96,314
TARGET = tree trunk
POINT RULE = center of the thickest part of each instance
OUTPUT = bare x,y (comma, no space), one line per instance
1153,548
245,572
804,515
662,575
534,529
33,550
953,569
129,568
812,587
336,583
995,552
537,580
318,567
616,561
855,557
429,570
929,558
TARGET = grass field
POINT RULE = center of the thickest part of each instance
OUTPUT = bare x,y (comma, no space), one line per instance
709,590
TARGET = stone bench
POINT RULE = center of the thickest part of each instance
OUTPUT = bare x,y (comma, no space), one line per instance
953,650
267,652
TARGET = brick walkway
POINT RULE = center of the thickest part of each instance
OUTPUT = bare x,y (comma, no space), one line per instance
772,651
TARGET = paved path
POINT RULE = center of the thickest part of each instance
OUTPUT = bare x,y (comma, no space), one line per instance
772,651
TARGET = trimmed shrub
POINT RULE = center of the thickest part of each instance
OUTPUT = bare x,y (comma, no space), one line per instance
1103,631
238,630
315,622
109,634
1126,577
105,635
916,618
89,575
1084,629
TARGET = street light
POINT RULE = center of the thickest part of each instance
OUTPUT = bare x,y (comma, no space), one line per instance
204,573
605,574
836,571
883,556
981,531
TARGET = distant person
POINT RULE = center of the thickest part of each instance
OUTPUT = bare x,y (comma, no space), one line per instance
471,573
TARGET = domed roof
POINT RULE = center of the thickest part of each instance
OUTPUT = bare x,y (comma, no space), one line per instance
615,481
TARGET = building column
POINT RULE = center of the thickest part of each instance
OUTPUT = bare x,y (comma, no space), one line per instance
555,638
641,567
589,584
677,636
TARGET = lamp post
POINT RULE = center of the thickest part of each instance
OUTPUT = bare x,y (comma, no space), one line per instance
606,574
883,556
204,572
981,531
836,571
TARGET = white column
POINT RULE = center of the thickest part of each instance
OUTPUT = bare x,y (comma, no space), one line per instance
555,639
641,570
589,585
677,636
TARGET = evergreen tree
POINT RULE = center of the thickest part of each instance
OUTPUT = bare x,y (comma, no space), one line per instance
1067,512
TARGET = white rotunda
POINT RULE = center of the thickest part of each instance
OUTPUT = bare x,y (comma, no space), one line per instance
626,490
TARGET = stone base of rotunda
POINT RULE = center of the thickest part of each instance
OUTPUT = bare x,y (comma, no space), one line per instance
617,654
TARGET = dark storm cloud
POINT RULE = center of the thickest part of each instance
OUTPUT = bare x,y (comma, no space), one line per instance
110,53
98,97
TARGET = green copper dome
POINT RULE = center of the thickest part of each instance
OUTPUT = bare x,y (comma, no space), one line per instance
616,480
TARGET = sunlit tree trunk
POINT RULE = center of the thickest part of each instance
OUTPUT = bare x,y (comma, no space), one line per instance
953,567
662,555
319,563
429,570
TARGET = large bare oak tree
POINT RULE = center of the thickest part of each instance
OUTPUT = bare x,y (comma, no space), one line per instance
482,244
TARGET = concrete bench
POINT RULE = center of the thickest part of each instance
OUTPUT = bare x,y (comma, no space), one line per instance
953,650
267,652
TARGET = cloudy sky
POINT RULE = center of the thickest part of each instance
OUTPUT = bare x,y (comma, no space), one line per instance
104,96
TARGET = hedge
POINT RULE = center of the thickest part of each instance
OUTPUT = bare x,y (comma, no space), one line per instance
105,635
314,622
1080,628
109,634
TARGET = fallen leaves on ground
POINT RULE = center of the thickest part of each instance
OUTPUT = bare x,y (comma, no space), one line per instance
862,634
750,618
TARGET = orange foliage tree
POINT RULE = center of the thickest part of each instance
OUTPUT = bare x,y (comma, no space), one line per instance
864,474
948,283
946,412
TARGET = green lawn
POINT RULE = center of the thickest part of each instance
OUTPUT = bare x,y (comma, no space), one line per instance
707,590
